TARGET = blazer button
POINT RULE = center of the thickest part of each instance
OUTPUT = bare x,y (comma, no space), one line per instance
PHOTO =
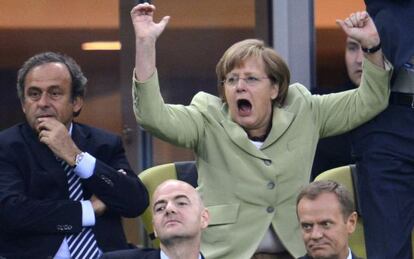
271,185
107,180
270,209
267,162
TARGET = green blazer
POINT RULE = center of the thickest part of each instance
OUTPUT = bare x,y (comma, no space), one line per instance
248,189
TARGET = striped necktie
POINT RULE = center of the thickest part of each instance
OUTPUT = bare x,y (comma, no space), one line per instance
82,244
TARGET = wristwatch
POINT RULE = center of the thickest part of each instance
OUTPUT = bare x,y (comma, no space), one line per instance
371,50
78,158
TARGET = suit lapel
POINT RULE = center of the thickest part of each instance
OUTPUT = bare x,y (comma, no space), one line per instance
43,156
80,136
239,137
280,123
354,256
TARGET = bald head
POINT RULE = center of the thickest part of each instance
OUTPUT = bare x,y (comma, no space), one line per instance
178,212
176,185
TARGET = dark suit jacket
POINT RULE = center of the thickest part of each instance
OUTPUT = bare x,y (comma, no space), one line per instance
135,254
35,212
395,23
308,257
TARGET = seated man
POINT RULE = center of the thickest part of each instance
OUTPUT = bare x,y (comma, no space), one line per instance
63,185
327,217
179,217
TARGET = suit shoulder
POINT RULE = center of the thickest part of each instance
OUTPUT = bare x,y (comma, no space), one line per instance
96,132
203,99
298,95
12,134
296,89
210,106
11,130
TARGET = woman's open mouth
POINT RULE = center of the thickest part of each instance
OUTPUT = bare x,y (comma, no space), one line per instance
244,107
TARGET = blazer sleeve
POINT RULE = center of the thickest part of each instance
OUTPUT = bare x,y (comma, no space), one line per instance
123,194
20,212
340,112
177,124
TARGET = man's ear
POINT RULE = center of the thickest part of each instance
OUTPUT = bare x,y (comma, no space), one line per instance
23,109
205,217
351,222
77,104
153,227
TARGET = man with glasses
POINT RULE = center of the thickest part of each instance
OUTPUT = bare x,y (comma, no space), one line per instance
255,142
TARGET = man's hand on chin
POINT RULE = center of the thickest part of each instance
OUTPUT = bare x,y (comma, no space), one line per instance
56,136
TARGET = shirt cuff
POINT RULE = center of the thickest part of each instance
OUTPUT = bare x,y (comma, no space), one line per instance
86,166
88,216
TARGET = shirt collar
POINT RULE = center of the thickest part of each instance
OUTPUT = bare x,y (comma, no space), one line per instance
70,128
349,253
164,256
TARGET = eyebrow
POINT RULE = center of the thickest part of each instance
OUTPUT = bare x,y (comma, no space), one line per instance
180,196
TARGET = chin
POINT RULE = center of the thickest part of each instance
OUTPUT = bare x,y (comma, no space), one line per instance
321,255
245,122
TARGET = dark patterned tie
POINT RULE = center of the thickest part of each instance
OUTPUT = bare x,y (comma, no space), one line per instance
83,244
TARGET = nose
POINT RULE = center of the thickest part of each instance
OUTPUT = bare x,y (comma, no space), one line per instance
43,100
360,56
241,85
316,233
170,208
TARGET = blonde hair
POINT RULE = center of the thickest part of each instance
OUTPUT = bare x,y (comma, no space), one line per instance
275,67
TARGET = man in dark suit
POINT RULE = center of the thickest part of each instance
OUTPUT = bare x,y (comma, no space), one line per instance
327,217
63,185
384,146
179,217
335,151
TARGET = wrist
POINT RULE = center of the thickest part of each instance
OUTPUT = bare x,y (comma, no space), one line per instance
146,41
78,158
371,49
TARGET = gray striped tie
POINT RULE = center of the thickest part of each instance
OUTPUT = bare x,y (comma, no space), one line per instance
83,244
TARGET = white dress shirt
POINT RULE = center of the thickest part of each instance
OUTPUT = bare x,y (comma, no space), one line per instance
84,170
164,256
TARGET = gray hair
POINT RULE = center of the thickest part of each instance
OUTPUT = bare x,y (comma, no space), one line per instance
314,189
78,79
